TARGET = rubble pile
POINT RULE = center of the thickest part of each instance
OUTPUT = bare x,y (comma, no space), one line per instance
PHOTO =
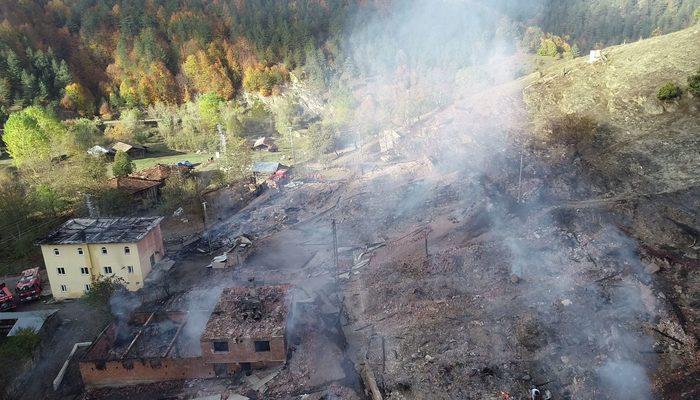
498,316
249,312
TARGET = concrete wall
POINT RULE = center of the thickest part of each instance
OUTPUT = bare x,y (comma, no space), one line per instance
93,258
243,350
152,244
135,371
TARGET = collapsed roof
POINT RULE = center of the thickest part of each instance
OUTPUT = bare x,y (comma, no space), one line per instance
249,312
102,230
132,185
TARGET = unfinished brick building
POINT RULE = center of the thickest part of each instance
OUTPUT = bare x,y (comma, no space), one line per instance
246,330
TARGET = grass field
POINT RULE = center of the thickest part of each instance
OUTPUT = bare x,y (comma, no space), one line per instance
170,159
162,155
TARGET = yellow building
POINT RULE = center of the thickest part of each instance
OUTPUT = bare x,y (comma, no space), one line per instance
84,249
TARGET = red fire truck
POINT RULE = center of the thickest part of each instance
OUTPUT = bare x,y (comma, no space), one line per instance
29,285
7,301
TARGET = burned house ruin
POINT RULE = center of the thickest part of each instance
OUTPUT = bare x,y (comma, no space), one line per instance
247,329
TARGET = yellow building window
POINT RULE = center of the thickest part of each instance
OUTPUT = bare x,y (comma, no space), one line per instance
130,269
108,270
80,250
61,271
56,252
84,271
64,288
127,250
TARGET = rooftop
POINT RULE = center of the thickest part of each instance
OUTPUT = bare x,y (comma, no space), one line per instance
267,167
264,141
249,312
131,185
125,146
102,230
26,320
159,172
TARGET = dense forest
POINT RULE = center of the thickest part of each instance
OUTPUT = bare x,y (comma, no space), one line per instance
604,22
114,53
91,56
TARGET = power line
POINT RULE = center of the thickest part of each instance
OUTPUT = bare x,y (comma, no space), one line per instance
32,229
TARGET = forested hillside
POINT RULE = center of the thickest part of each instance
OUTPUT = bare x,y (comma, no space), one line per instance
606,22
116,53
94,56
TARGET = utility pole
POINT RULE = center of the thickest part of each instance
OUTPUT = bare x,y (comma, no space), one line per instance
427,255
335,246
361,153
222,138
291,143
520,178
204,206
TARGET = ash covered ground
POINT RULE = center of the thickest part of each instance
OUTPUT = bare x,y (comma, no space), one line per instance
466,280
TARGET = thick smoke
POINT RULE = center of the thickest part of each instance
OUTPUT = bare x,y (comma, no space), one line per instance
122,304
420,59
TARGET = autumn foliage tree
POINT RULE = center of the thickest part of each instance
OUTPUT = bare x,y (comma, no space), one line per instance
78,98
264,79
214,70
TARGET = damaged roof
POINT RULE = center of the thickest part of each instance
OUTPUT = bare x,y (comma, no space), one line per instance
132,185
267,167
249,312
160,172
102,230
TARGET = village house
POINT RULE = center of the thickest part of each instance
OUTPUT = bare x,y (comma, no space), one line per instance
101,151
144,186
269,171
84,249
141,191
247,329
265,143
133,150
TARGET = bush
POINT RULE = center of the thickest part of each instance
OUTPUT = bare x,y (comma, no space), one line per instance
101,291
694,82
669,91
21,345
123,165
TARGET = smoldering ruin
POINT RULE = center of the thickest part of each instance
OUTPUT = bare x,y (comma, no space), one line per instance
462,258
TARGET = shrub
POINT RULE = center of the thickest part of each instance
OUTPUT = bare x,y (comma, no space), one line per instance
102,289
21,345
123,165
694,82
669,91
